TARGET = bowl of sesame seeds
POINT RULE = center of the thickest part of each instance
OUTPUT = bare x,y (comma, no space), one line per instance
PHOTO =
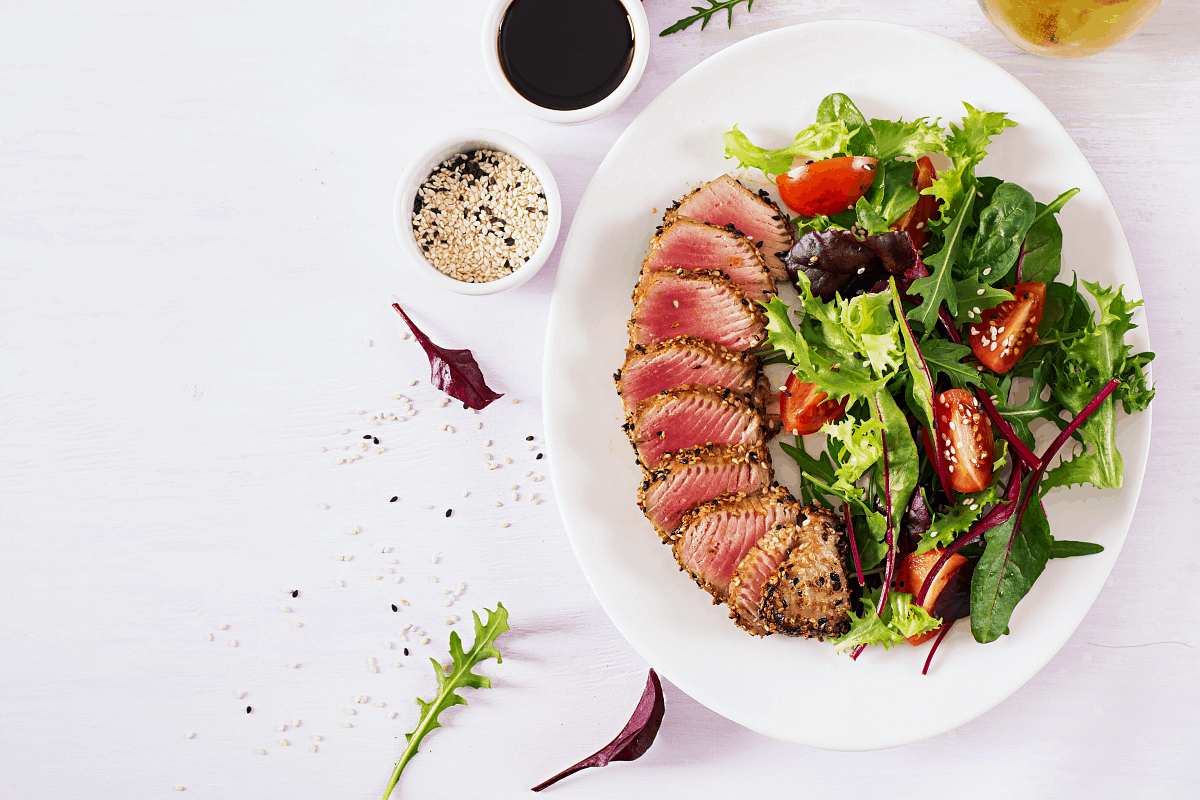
477,212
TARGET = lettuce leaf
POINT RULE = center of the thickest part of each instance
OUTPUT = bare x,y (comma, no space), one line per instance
817,141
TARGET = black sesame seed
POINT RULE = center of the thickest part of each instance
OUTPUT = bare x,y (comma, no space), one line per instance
247,709
394,499
449,511
540,455
395,607
375,439
295,593
406,651
368,436
529,438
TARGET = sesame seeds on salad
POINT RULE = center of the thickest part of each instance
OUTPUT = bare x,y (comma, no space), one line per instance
479,217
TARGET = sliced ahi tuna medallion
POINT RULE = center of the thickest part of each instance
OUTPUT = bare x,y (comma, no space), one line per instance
689,416
761,562
702,304
726,201
714,538
684,359
693,245
809,594
688,478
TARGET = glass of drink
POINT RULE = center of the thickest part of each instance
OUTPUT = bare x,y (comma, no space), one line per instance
1067,28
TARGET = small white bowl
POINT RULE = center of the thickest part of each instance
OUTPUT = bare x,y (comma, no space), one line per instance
425,162
491,60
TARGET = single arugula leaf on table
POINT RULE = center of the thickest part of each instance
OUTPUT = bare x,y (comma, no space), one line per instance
461,674
454,372
634,739
704,15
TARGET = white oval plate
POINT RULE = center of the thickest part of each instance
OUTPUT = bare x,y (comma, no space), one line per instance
794,689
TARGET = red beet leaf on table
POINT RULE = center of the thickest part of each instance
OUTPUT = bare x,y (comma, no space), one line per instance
633,741
453,371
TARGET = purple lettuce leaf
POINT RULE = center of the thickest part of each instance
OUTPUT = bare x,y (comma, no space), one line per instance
453,371
633,741
836,261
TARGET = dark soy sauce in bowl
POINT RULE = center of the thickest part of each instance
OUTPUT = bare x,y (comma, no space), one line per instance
565,54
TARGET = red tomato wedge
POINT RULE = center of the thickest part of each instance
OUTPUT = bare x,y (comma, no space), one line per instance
1009,329
827,187
911,574
915,221
965,438
804,410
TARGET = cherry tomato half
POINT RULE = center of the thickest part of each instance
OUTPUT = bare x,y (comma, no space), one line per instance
1009,329
911,574
964,435
827,187
915,221
804,410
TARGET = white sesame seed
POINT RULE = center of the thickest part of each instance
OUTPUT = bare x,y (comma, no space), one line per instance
478,425
496,504
285,609
528,472
379,704
398,579
322,505
466,494
210,637
240,695
987,271
412,383
427,506
223,626
392,714
374,669
282,728
398,664
190,736
233,642
320,449
433,579
503,524
298,624
179,788
347,725
351,711
433,559
260,751
367,342
536,501
283,742
312,747
425,640
295,665
344,431
515,401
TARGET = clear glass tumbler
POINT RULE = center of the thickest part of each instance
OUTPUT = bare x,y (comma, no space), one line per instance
1067,28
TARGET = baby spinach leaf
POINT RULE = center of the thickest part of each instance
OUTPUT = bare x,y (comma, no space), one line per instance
837,107
1002,228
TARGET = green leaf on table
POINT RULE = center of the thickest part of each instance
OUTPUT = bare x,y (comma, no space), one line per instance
460,675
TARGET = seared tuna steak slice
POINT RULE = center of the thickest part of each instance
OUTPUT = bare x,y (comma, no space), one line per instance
689,244
685,359
714,537
692,415
760,562
688,478
703,304
809,595
725,201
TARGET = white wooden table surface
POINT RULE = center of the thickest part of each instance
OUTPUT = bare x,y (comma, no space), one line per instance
195,243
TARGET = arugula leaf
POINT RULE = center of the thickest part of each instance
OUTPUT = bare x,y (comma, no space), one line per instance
944,357
1061,548
821,467
901,618
913,139
939,287
706,15
817,141
460,676
1036,406
1002,228
947,527
1012,560
837,106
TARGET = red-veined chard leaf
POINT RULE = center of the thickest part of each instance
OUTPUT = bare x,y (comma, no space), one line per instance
453,371
633,740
